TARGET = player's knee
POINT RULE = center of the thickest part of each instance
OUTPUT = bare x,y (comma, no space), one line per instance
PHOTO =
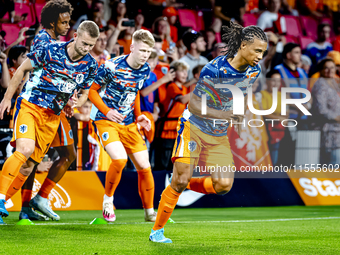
179,184
223,186
26,151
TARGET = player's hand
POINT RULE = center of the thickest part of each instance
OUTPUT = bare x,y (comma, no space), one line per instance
5,106
74,100
68,111
115,116
144,122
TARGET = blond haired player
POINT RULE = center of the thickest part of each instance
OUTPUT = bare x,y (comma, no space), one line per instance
117,119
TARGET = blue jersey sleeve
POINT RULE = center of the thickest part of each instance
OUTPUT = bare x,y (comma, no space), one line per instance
206,83
39,58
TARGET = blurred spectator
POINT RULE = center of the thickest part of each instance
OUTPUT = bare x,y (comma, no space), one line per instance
306,62
263,5
99,51
4,74
112,45
326,112
265,99
139,21
196,73
127,39
252,6
7,6
80,7
181,48
21,37
16,56
161,27
311,8
177,98
210,39
335,56
194,41
118,9
229,10
95,14
287,8
272,20
319,49
171,13
293,77
218,50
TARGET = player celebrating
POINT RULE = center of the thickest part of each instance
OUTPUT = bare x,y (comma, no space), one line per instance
58,71
117,118
55,18
199,140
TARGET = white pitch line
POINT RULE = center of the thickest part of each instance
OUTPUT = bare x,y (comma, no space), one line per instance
190,222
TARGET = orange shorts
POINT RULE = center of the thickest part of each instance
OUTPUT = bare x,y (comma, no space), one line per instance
109,131
36,123
64,135
192,146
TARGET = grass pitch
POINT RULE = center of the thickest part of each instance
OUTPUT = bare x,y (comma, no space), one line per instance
264,230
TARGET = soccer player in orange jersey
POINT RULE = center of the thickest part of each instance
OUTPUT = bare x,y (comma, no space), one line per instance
117,118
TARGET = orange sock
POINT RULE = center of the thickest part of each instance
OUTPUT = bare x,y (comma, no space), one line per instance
166,206
26,195
46,188
10,170
146,187
113,176
202,185
16,185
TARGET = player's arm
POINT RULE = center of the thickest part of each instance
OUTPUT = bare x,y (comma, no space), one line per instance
14,83
141,119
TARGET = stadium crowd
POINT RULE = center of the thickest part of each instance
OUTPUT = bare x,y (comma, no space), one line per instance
303,52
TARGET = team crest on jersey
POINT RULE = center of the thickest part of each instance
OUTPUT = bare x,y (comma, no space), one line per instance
70,134
23,129
192,146
79,78
67,87
105,136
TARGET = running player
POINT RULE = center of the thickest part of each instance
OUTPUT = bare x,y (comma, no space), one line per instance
117,118
55,18
58,71
199,140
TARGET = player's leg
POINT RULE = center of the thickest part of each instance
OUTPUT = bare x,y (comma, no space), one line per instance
118,156
182,173
146,184
10,170
56,172
137,151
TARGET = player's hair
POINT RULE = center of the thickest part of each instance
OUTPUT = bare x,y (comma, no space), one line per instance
179,65
197,69
90,27
235,34
144,36
50,12
15,52
153,54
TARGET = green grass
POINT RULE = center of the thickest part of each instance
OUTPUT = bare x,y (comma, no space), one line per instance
307,230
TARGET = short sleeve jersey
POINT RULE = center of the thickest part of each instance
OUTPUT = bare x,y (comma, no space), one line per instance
219,71
119,87
55,76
